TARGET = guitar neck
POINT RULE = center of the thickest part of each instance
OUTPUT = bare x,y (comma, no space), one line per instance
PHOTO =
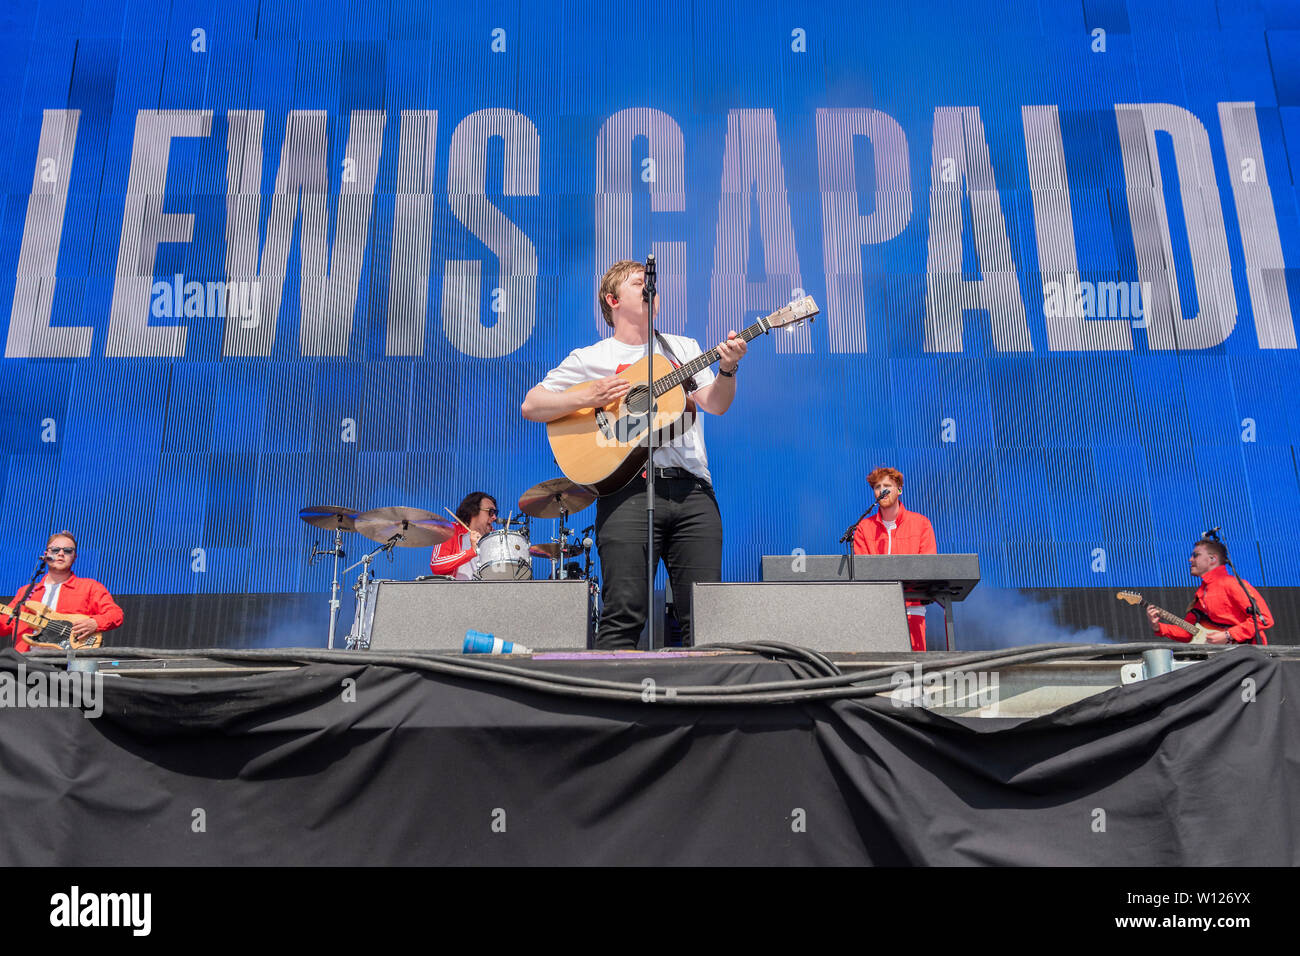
1169,617
698,364
31,620
36,621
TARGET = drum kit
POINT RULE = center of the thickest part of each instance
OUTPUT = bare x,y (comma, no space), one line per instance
502,555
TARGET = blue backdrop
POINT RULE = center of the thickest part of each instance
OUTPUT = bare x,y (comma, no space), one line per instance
404,214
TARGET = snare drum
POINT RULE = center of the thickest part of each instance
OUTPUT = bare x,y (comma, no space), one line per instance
503,556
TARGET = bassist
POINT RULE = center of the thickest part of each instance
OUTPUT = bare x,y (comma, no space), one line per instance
60,590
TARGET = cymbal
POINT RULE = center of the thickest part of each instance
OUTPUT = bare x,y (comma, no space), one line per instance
329,517
546,499
422,528
550,550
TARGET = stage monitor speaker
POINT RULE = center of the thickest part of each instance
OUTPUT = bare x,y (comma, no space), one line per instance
830,616
434,615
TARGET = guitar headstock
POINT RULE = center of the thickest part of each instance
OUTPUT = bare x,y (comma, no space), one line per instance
793,314
1129,597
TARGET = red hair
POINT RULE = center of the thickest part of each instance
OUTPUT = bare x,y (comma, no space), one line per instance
886,472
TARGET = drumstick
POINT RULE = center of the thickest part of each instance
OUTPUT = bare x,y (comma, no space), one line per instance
457,520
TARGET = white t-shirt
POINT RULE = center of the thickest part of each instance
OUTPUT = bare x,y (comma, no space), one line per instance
466,571
610,356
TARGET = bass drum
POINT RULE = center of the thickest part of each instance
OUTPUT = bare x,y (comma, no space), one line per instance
503,556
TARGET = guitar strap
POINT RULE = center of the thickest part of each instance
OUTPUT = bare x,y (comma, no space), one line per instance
689,384
1203,618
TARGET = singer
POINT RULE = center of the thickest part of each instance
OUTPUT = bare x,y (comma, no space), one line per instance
1219,601
688,526
458,555
895,530
61,590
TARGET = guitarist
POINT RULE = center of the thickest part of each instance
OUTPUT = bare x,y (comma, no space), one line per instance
688,526
61,590
1219,601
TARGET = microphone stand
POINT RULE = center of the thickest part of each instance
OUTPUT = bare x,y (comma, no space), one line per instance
20,601
648,293
846,538
1250,598
359,639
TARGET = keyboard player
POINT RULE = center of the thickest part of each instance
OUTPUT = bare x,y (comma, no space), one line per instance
895,530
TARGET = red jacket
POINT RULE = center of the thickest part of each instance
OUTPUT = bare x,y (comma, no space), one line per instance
913,535
77,596
450,555
1220,605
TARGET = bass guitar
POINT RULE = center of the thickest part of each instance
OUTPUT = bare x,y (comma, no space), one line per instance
53,630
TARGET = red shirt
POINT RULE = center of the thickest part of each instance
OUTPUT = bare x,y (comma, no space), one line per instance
449,556
912,535
1220,605
77,596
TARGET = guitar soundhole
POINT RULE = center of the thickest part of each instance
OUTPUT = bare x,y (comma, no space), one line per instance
636,400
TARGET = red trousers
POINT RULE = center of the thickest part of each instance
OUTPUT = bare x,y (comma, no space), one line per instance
916,631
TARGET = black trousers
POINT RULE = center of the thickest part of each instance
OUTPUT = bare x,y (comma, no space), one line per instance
688,537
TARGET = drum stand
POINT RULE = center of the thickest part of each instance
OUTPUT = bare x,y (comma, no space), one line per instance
334,585
558,571
358,639
593,592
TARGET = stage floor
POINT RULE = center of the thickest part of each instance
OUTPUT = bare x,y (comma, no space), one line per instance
704,757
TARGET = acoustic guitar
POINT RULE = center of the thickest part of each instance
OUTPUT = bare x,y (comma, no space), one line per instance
1199,632
605,448
53,630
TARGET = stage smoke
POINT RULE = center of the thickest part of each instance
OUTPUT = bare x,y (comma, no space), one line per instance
994,618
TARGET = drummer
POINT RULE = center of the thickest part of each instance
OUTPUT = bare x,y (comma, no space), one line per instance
458,555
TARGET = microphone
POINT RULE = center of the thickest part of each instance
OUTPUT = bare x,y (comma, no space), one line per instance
587,541
648,289
883,495
1212,534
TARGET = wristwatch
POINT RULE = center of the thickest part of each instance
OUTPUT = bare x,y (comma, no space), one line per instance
731,374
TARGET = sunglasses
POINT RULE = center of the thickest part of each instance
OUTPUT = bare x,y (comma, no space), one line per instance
490,512
61,550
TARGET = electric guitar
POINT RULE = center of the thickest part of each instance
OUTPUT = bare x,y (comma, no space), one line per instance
1199,632
53,630
605,448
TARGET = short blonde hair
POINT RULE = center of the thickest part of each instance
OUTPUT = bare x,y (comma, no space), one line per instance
61,534
614,278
